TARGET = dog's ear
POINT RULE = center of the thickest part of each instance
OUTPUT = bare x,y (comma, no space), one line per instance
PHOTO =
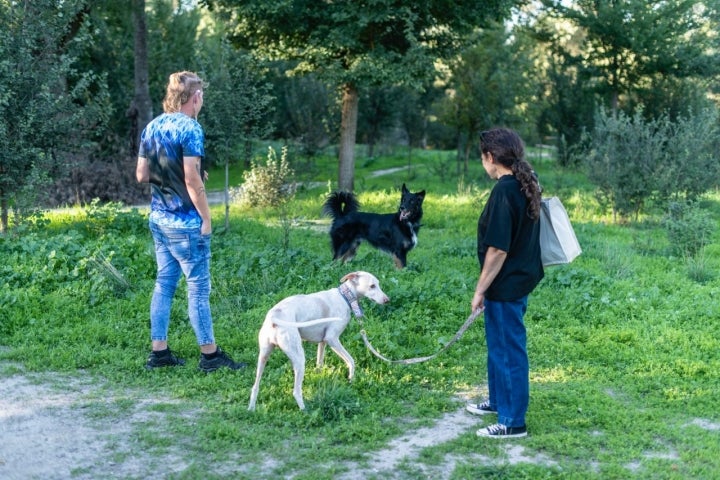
349,276
404,189
421,194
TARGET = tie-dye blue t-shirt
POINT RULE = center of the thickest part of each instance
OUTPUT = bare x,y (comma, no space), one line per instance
164,142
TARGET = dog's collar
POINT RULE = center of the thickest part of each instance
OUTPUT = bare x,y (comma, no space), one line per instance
351,299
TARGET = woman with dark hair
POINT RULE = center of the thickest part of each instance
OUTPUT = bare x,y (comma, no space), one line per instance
508,247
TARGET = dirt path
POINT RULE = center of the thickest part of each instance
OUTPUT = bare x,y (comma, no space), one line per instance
48,432
59,430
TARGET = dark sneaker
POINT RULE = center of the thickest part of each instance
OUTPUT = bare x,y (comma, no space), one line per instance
501,431
163,359
480,408
222,359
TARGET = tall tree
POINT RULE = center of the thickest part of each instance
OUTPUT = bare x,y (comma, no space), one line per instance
628,43
237,103
49,111
488,86
356,44
140,111
377,115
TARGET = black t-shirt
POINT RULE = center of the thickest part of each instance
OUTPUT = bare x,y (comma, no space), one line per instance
505,225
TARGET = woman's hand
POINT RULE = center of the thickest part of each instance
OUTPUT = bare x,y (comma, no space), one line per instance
478,303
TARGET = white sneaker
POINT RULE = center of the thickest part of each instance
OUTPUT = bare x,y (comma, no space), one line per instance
501,431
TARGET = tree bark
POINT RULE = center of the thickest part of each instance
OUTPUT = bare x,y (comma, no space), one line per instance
140,111
3,213
348,130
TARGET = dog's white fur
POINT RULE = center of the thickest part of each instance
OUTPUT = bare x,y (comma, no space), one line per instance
320,318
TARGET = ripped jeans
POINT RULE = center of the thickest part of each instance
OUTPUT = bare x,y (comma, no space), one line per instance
181,251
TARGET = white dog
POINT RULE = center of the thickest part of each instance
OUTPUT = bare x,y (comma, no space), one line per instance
317,317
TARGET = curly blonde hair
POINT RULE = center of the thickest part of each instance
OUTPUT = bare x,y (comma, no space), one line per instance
181,87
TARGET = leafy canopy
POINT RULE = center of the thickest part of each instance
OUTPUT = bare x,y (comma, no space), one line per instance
49,109
629,42
382,42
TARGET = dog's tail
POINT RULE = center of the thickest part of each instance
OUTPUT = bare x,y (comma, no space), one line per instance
308,323
339,204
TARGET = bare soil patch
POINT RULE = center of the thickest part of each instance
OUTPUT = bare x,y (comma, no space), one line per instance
57,427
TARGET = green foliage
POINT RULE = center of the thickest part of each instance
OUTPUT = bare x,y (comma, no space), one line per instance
689,228
271,184
689,166
622,159
623,348
237,104
634,161
489,86
346,42
50,110
658,56
306,109
626,45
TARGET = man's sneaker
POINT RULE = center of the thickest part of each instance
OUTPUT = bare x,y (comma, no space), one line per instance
163,359
480,408
221,359
501,431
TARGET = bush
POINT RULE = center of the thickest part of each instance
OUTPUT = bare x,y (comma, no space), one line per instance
268,185
689,228
634,161
621,159
690,166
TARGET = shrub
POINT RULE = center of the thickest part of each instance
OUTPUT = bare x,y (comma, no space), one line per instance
689,228
621,159
634,161
270,184
690,166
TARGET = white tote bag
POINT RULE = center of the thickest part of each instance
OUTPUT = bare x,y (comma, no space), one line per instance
558,243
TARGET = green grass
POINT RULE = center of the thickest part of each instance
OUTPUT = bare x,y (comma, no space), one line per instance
623,343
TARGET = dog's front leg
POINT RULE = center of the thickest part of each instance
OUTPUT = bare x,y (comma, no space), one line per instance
342,353
400,260
320,356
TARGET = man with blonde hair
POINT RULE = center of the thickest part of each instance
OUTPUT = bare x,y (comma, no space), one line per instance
169,158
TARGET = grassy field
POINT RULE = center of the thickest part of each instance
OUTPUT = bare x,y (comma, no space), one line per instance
623,343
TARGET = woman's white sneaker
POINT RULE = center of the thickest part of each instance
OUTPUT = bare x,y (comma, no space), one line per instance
501,431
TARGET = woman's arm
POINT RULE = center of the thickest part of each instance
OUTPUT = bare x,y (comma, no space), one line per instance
494,259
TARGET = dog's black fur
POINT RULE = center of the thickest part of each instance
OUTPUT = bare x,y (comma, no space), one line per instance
395,233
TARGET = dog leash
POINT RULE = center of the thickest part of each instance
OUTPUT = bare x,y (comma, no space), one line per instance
408,361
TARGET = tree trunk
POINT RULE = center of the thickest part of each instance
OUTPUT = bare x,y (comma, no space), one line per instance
140,111
3,213
348,130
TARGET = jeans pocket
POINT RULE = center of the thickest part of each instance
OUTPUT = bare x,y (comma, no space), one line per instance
180,244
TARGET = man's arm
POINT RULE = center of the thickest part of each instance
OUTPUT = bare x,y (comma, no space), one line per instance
196,190
142,171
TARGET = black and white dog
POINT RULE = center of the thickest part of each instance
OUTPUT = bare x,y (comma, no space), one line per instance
395,233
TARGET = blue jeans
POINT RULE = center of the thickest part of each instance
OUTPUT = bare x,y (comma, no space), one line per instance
508,366
181,251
